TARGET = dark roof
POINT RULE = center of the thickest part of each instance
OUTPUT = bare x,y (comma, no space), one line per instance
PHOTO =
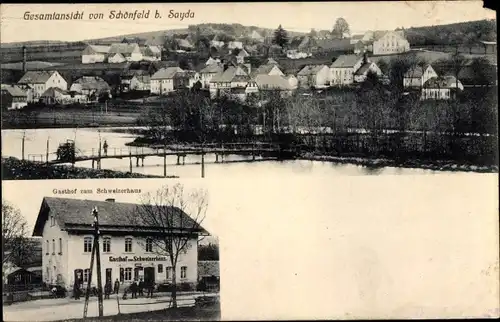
114,216
36,77
208,268
363,69
335,44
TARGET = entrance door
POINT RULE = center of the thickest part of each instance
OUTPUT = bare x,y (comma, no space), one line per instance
108,275
149,275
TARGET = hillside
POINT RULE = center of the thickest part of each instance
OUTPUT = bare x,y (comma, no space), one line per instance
470,32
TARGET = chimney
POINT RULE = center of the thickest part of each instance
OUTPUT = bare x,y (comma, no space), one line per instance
24,59
110,200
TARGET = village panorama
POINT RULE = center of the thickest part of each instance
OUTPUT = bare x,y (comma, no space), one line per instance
148,104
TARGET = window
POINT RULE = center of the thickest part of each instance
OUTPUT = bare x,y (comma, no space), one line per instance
52,221
128,245
47,247
149,245
106,244
183,271
169,273
86,275
122,274
53,246
87,244
160,268
128,274
60,246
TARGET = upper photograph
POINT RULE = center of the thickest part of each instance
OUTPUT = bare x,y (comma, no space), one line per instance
204,90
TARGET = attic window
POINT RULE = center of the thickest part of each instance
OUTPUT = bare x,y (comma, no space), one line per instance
52,221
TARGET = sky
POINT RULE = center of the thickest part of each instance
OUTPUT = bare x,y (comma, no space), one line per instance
340,247
294,16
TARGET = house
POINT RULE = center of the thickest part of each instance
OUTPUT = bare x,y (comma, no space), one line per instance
122,52
343,68
91,86
295,54
385,42
151,53
267,70
55,95
242,54
40,81
317,76
490,47
333,45
13,97
140,83
94,54
361,74
441,88
211,61
418,75
323,34
216,42
184,44
235,44
207,73
127,253
162,81
355,39
233,80
185,79
256,36
275,83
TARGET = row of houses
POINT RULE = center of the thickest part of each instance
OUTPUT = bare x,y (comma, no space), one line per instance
50,87
119,53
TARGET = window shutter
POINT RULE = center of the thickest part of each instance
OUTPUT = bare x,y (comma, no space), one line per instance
122,272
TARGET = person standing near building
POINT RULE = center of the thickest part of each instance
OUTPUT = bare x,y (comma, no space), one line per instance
141,288
133,289
76,290
117,287
107,289
151,287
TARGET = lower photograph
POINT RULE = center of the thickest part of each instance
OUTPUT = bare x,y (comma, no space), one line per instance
83,251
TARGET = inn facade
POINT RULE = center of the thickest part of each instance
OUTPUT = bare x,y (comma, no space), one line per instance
127,251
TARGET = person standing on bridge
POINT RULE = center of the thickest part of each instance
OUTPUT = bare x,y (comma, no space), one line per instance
105,147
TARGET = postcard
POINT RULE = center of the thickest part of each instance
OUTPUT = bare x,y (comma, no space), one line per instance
249,161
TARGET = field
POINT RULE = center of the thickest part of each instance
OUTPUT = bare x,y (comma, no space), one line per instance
68,118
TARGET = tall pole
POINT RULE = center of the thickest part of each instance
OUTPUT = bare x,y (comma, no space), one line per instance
47,152
22,145
98,259
99,153
89,283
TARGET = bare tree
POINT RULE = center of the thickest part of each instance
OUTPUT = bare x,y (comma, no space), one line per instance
16,246
175,216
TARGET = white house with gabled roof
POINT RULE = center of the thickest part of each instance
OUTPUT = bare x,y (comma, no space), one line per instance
127,251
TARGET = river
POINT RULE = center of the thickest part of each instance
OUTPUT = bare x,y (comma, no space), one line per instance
87,142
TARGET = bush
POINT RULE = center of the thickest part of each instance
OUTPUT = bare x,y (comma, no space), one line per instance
206,301
181,287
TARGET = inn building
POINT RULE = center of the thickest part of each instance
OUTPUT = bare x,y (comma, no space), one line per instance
127,249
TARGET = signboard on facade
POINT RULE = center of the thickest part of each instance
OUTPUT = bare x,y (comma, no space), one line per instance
138,259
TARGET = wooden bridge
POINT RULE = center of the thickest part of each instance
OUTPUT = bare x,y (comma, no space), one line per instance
140,153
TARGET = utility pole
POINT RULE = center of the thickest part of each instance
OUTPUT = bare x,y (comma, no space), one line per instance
97,256
22,145
47,152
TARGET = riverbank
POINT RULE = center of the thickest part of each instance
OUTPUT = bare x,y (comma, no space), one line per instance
375,163
15,169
